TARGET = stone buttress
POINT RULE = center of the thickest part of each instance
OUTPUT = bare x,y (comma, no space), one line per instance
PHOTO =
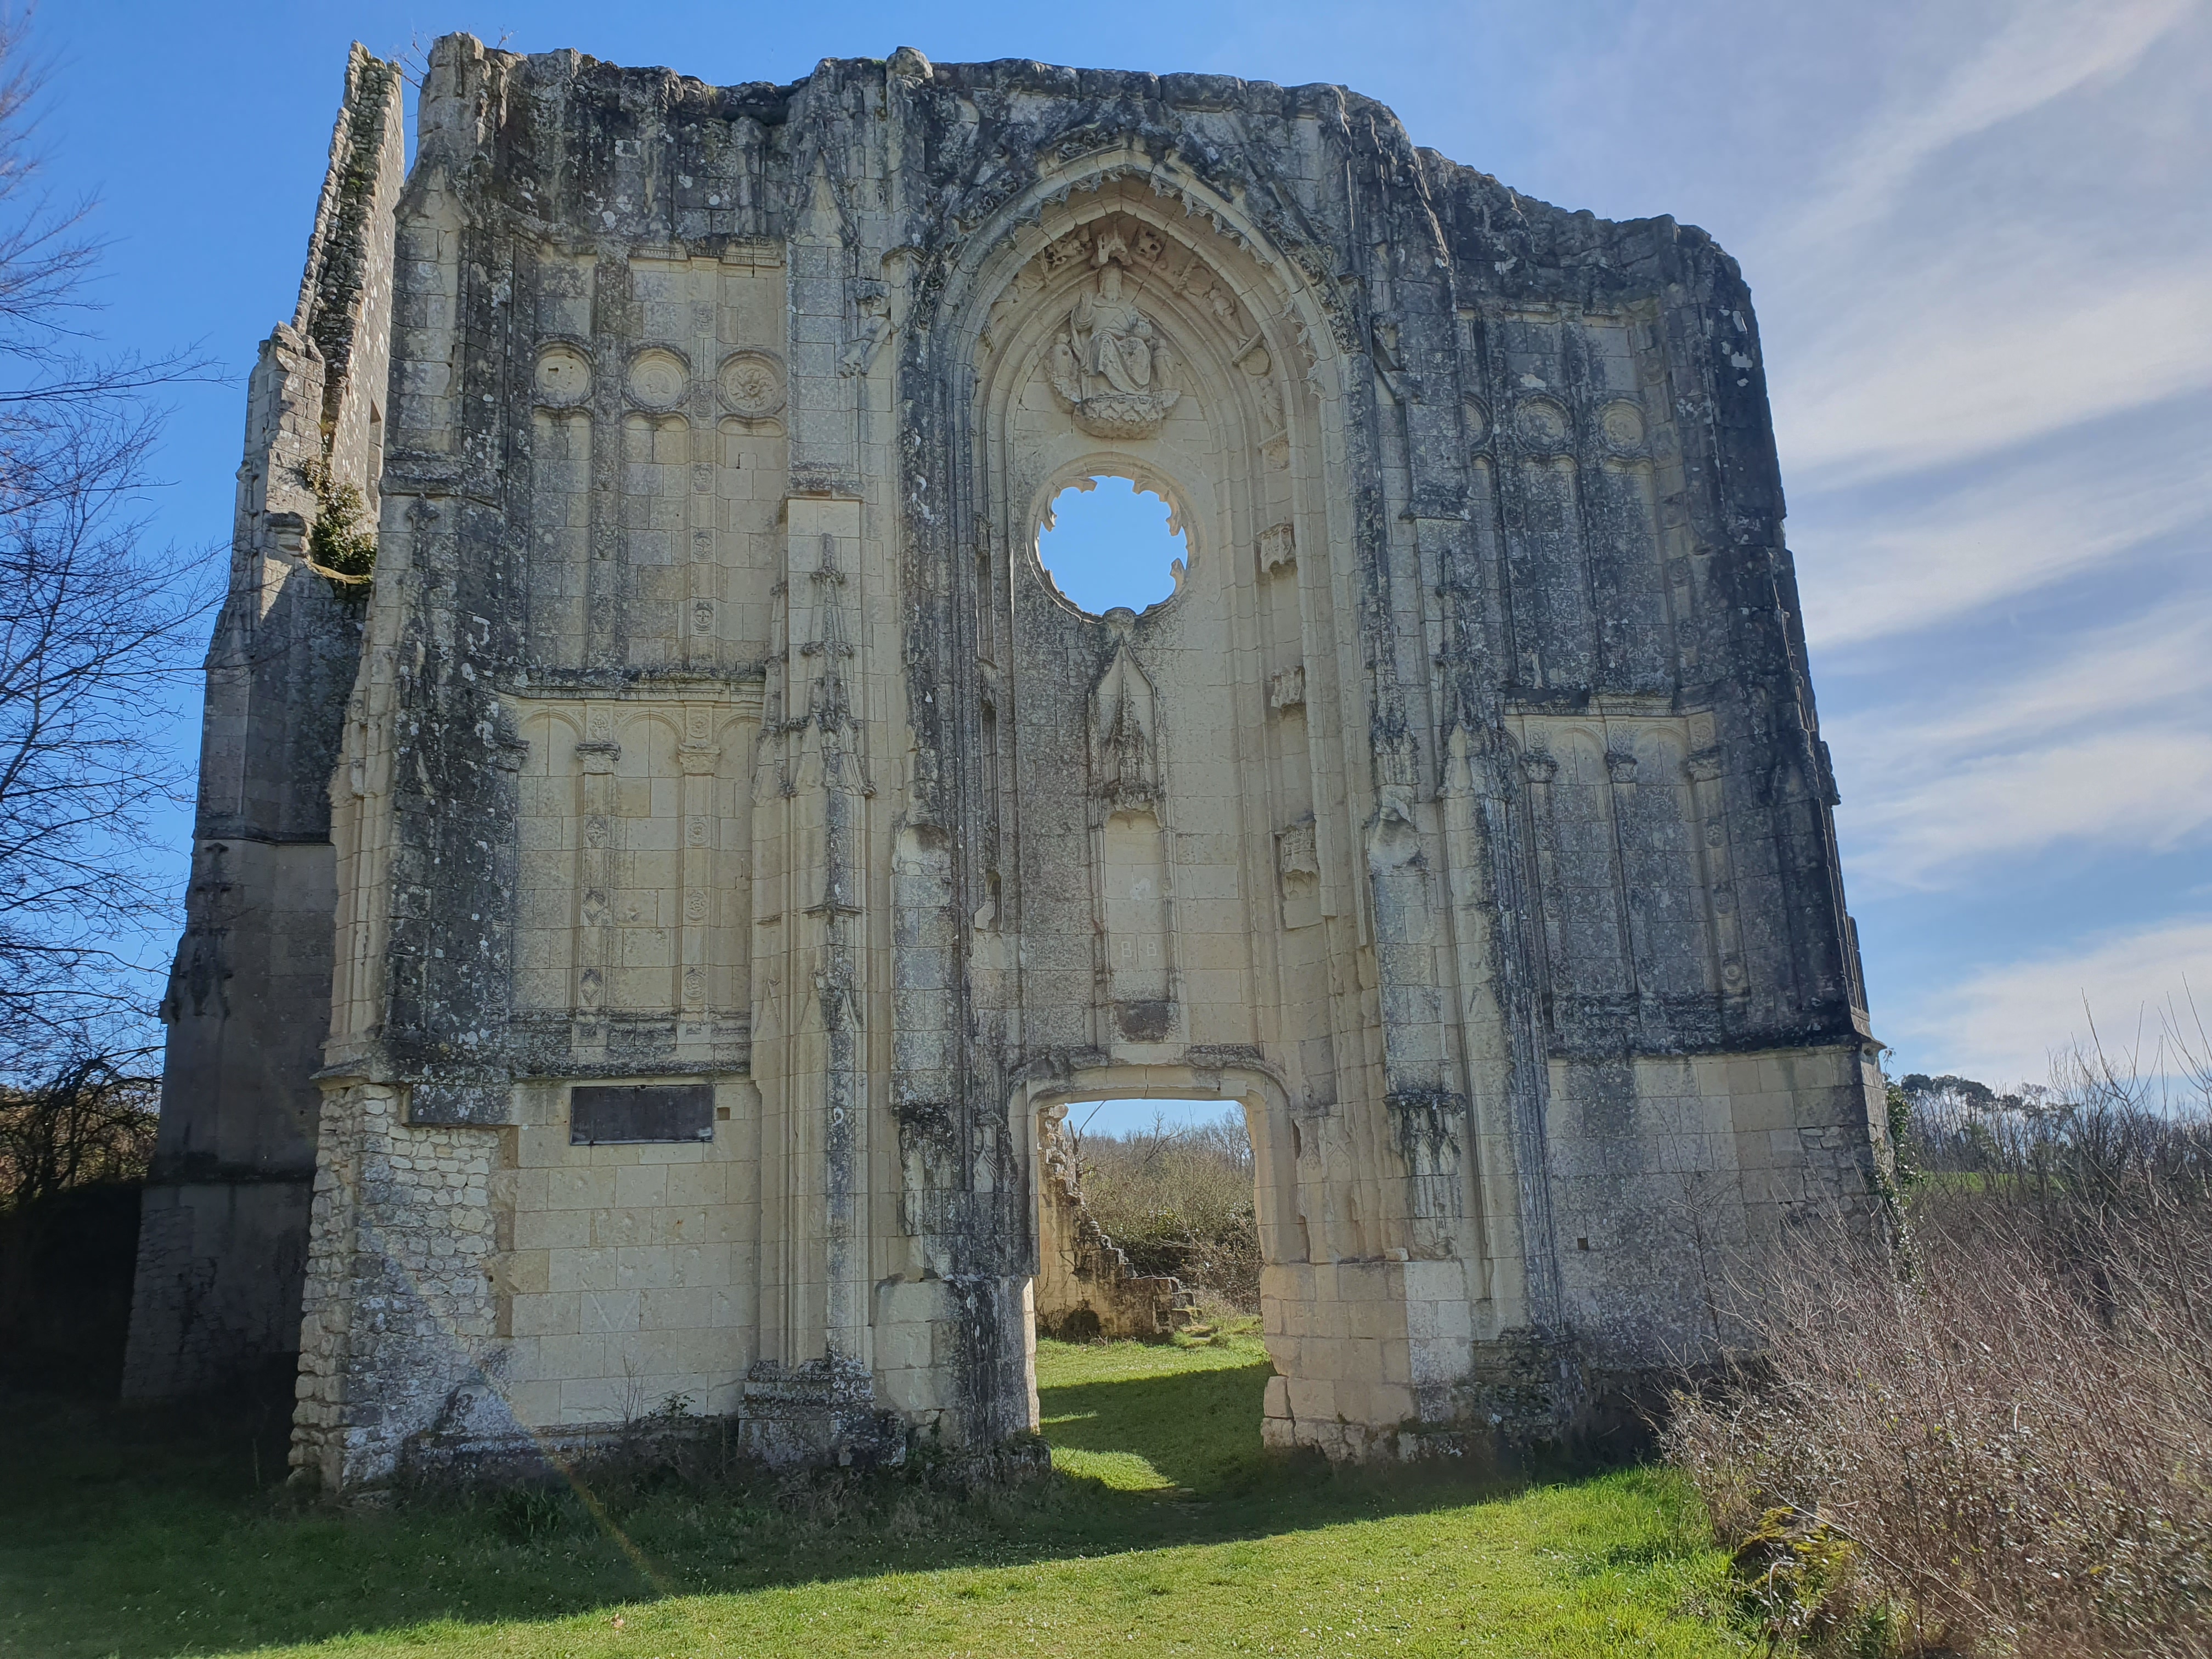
222,1244
742,846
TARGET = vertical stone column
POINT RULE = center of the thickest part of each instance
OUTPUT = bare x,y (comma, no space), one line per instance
700,757
811,1055
596,757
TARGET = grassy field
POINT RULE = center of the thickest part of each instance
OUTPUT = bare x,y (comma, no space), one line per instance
1164,1529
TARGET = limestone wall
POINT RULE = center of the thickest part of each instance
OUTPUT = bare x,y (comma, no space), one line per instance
535,1286
1084,1289
403,1292
630,1275
1462,816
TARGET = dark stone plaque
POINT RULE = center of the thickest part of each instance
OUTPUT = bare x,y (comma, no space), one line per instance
616,1113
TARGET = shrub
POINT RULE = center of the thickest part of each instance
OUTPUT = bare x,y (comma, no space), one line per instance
1998,1436
1178,1199
339,546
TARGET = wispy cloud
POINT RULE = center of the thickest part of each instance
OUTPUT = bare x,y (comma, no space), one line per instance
1982,353
2042,53
2109,745
2145,789
2162,661
1984,259
2005,1023
1929,557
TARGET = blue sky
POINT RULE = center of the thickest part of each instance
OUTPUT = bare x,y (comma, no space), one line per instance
1978,239
1110,544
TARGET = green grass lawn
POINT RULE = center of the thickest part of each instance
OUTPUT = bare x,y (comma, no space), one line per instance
1164,1529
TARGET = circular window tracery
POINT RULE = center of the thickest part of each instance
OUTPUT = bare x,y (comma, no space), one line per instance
1110,543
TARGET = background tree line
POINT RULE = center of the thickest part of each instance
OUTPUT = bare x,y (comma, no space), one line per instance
1178,1199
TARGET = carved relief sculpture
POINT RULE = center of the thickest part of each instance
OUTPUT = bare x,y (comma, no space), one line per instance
1124,756
1110,364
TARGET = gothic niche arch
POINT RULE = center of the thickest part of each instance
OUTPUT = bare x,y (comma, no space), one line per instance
1118,341
1165,834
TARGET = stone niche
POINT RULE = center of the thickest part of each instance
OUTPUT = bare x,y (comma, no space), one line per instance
714,751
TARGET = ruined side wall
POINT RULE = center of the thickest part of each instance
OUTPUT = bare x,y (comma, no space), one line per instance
587,565
223,1239
1084,1289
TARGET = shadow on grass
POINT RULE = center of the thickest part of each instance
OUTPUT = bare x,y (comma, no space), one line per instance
135,1534
1200,1430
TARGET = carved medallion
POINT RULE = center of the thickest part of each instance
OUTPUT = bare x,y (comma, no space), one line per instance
658,378
1108,364
1542,424
752,384
563,377
1622,423
1478,421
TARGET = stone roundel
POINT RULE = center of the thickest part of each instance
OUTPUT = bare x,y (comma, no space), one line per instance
752,384
1477,416
564,376
1542,423
658,378
1622,423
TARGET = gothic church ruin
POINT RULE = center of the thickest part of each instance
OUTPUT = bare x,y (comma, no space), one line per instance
635,939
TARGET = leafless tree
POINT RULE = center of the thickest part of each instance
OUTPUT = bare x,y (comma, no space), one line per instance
89,1122
94,622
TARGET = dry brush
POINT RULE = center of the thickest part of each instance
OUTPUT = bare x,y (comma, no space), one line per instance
1993,1431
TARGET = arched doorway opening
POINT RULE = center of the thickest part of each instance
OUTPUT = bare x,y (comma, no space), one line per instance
1169,1187
1245,1118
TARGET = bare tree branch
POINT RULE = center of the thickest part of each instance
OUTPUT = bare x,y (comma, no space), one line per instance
95,625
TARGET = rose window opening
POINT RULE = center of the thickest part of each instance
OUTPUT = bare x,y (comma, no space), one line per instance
1108,543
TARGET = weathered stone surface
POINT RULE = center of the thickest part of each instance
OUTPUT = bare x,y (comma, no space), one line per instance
223,1239
1462,815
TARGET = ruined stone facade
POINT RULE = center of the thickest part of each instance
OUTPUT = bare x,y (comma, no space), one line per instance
739,845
